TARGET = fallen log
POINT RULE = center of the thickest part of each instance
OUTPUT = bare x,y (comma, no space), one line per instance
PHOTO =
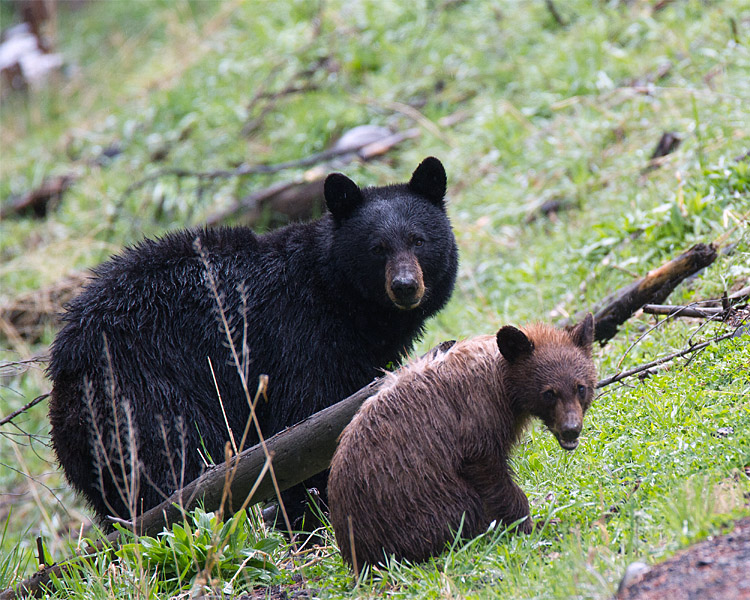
653,288
38,202
298,453
300,197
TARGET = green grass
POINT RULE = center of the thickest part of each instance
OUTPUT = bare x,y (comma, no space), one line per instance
552,113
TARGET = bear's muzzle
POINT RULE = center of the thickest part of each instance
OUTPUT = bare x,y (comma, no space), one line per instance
404,282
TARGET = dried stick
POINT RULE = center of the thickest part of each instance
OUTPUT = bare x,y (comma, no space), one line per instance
659,361
241,171
682,311
24,408
38,201
554,12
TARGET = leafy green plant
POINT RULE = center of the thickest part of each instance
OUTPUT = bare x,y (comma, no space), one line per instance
202,545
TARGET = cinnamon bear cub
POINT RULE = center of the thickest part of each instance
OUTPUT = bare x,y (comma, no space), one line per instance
432,446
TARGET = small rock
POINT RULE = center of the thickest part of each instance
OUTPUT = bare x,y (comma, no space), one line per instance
633,573
358,136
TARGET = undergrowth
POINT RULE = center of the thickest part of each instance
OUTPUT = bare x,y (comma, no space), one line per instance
564,115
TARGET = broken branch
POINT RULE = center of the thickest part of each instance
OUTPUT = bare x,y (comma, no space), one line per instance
659,361
299,452
653,288
24,408
365,148
682,311
38,201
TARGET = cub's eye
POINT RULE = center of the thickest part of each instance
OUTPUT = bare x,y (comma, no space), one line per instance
548,395
581,390
378,250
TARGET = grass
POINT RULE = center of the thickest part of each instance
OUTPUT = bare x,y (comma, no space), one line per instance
553,113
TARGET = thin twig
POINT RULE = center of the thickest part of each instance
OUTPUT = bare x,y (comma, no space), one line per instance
242,171
645,367
24,408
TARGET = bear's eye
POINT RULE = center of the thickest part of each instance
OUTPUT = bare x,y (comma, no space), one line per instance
416,239
548,395
378,250
582,390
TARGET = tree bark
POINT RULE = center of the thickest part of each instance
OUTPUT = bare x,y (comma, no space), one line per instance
653,288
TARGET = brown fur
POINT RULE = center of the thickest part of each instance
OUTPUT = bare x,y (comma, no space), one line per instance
432,446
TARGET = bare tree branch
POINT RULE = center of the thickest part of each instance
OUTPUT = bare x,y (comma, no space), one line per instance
24,408
664,359
682,311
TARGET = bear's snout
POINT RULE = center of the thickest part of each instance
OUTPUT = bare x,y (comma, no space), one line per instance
405,288
568,424
405,282
568,438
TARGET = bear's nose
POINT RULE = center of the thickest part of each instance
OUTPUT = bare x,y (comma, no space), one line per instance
568,437
571,434
405,288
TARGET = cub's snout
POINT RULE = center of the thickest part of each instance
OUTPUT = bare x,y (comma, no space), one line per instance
567,422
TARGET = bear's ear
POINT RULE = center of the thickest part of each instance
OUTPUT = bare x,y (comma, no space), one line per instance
513,343
583,333
429,180
342,195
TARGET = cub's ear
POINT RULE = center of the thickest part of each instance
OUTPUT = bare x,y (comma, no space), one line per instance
583,333
429,180
342,195
513,343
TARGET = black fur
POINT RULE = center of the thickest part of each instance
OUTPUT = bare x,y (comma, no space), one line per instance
310,298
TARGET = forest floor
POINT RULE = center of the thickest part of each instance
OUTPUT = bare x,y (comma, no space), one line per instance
715,568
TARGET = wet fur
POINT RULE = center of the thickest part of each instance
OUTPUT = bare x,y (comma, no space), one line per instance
432,446
135,403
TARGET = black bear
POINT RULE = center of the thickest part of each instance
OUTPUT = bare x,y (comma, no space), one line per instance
143,359
431,447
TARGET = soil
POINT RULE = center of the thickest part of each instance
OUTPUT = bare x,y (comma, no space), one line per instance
717,568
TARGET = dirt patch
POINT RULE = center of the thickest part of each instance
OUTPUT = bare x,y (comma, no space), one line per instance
716,569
